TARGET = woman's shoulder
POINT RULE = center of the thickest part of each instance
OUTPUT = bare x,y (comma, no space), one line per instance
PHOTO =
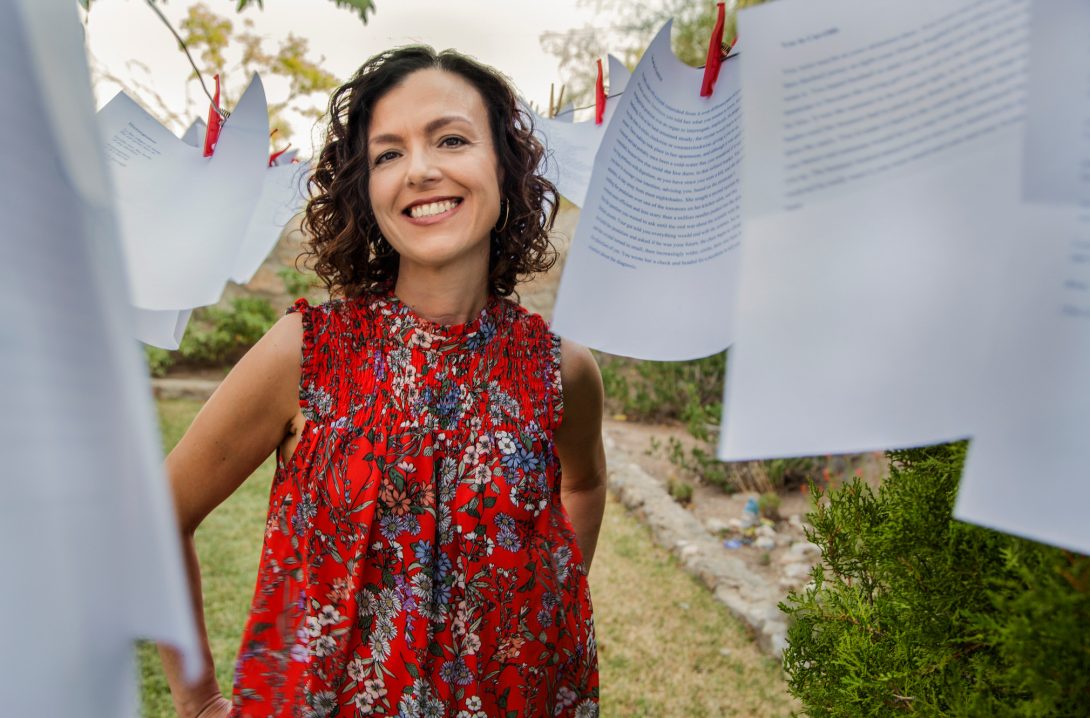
347,313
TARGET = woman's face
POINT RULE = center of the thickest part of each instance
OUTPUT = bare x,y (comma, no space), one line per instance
434,178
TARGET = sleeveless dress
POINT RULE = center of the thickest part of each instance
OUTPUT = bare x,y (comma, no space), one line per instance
417,560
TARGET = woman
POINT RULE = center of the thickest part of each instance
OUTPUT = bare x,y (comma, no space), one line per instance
424,553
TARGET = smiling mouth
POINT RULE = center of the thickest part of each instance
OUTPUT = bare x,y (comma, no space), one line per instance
420,211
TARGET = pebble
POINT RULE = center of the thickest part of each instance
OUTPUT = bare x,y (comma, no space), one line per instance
765,543
764,530
805,549
716,526
796,570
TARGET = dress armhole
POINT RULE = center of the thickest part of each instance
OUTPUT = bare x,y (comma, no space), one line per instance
308,377
557,387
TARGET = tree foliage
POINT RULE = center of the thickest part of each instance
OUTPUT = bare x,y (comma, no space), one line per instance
912,612
625,30
363,8
211,35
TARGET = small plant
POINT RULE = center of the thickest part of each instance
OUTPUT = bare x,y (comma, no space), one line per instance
768,505
680,491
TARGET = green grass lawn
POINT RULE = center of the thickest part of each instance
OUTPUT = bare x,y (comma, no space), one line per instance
667,648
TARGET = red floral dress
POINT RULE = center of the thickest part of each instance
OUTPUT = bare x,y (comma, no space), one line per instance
417,560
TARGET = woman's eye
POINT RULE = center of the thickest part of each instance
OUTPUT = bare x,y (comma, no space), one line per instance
385,157
452,141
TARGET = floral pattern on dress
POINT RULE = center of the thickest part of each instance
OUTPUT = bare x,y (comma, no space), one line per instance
417,560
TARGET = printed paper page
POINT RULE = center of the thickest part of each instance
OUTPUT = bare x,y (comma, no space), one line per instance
570,147
883,196
183,216
86,521
650,272
1026,472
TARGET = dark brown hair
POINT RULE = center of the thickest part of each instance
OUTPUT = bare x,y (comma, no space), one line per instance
344,244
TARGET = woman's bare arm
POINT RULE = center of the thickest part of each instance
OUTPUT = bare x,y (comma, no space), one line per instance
579,445
247,417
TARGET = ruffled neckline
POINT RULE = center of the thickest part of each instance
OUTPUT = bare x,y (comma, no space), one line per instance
454,333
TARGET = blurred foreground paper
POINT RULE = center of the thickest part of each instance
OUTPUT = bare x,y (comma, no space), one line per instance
570,147
91,557
651,268
183,216
283,194
1026,472
883,196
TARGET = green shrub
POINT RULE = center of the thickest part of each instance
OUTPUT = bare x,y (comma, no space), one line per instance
216,337
296,282
912,612
691,392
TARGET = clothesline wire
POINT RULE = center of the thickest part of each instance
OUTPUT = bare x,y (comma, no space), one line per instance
617,94
181,43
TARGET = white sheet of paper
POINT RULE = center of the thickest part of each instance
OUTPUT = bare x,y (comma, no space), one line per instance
86,518
1056,131
183,216
1026,471
163,328
882,193
194,134
650,272
282,196
571,147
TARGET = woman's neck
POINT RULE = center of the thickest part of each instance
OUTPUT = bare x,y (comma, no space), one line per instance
442,297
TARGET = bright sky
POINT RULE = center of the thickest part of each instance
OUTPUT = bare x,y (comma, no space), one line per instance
502,33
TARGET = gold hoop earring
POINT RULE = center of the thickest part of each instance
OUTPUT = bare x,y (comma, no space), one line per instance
506,207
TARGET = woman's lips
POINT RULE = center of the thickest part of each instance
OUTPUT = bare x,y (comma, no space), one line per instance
433,218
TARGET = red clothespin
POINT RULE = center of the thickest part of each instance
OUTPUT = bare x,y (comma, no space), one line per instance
599,97
715,55
215,120
276,155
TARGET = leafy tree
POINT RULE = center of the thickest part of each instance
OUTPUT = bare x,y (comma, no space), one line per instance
211,35
217,47
363,8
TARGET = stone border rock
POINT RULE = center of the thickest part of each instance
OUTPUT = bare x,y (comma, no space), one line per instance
746,595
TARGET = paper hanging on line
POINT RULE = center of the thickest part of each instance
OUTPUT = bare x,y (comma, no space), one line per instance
183,216
86,516
163,328
283,195
194,134
570,147
883,195
651,269
1026,470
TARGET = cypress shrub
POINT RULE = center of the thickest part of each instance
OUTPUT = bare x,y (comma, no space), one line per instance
911,612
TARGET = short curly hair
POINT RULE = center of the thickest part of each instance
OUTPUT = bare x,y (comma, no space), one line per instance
344,244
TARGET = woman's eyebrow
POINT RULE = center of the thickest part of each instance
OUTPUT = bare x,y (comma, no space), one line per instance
436,124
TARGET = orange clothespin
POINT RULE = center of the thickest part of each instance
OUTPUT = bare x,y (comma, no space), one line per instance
715,55
599,96
215,121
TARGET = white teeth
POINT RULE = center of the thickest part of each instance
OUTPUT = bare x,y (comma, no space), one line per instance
427,210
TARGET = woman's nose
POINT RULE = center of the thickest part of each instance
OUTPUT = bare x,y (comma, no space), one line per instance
423,169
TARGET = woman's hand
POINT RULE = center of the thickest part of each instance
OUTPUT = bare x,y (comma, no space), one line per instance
579,446
220,707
